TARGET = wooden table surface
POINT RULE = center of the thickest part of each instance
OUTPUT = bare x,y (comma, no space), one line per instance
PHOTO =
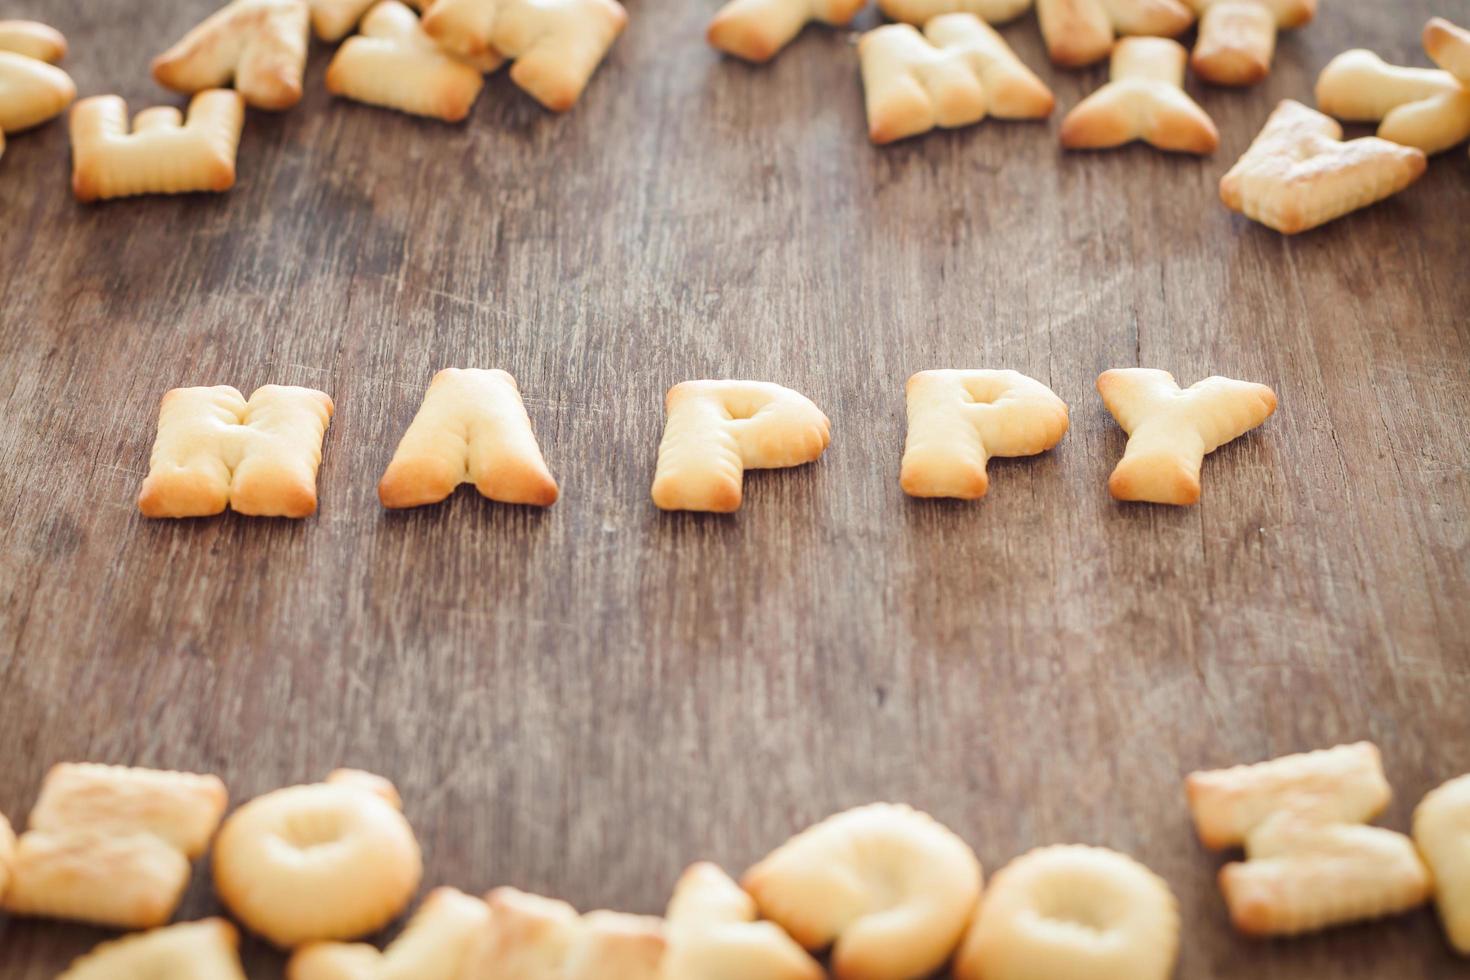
582,701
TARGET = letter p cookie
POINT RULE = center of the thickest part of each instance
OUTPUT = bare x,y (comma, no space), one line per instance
716,430
959,419
472,428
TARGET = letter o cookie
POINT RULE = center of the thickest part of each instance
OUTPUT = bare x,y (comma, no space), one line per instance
329,861
1073,913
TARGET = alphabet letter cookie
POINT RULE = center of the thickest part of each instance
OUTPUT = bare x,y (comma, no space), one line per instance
207,950
1237,38
1073,911
1145,100
163,154
1419,107
216,450
111,845
1449,46
1171,431
32,90
757,30
395,64
556,44
1081,32
959,419
1442,833
1310,861
921,12
535,938
26,37
260,44
890,889
717,430
334,19
7,852
1299,174
714,935
440,942
952,75
472,428
275,872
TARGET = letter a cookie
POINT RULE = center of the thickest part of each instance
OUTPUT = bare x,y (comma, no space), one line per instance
472,428
259,44
716,430
216,450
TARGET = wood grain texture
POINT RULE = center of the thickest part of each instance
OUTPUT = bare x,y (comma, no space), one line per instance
582,701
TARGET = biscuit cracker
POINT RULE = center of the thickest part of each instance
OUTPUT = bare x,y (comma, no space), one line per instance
889,889
111,845
163,154
920,12
471,428
32,92
1073,911
1311,861
205,950
714,935
1170,431
556,44
716,430
1424,108
275,873
393,63
1237,38
440,942
260,45
757,30
1299,174
1442,834
216,450
953,74
32,39
535,938
958,420
1082,32
1143,100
